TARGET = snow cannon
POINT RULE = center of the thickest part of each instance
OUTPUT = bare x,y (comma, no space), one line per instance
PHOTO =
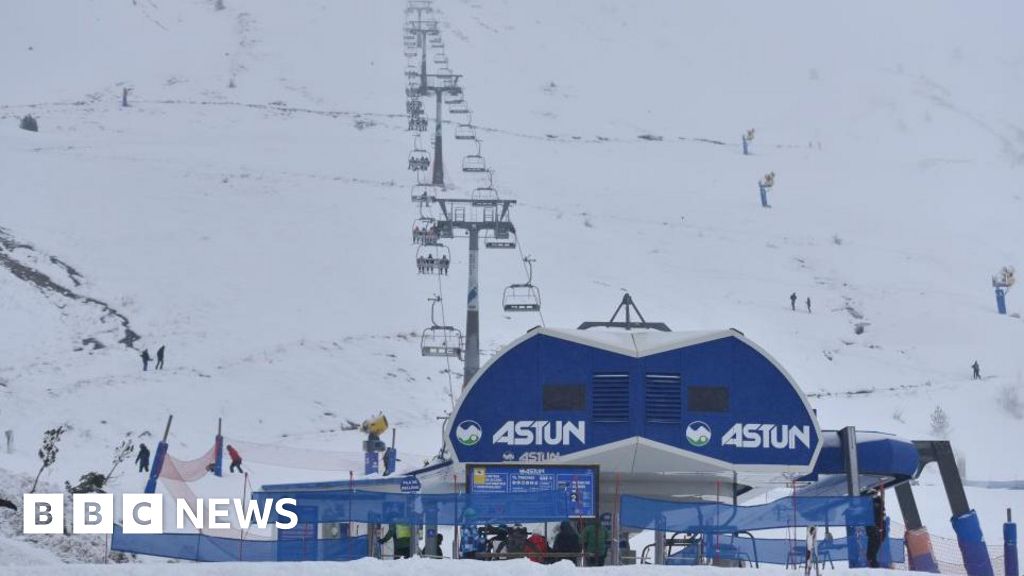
374,426
1002,282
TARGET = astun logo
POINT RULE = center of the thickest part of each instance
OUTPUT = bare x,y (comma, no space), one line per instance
540,433
468,432
698,434
771,436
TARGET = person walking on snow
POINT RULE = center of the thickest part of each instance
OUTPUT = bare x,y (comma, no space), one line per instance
142,459
160,358
808,304
977,371
145,359
792,301
236,459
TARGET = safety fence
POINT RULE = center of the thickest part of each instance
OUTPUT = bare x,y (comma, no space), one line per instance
299,545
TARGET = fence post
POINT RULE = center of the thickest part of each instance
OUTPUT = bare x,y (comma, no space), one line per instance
659,541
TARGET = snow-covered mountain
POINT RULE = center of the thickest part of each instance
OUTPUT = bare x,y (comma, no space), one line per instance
250,209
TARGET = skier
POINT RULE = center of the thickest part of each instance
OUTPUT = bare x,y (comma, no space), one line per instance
142,459
567,541
160,357
444,265
145,359
236,459
402,535
977,371
876,532
792,301
808,304
595,540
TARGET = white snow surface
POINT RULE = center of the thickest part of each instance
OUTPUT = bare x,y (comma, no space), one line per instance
251,211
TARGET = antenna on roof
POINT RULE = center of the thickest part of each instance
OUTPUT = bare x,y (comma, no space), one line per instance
627,305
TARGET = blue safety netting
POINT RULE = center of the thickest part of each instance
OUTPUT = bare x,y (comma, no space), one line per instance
443,509
748,550
204,548
700,517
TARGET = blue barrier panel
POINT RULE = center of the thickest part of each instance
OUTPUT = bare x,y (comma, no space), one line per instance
204,548
450,509
972,544
1010,560
699,517
777,551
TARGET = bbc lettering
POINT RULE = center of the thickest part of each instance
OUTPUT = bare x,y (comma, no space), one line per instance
144,513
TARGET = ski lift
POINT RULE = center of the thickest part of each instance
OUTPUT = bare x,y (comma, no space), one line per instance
414,106
424,193
501,239
474,162
454,98
522,297
436,42
459,108
433,259
417,123
465,131
424,231
419,159
441,58
412,90
485,195
412,71
440,340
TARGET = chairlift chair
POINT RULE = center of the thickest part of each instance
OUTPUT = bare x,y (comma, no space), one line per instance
459,108
412,71
424,193
454,98
424,231
441,58
474,162
500,241
522,297
438,340
419,159
433,258
485,195
465,131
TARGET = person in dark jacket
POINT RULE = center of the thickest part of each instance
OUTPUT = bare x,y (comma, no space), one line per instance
145,359
977,371
434,550
808,302
236,459
142,459
567,541
876,532
792,301
160,358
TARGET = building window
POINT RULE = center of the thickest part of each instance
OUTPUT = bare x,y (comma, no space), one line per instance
564,397
707,399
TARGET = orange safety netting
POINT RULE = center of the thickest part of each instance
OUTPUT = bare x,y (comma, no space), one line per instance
947,553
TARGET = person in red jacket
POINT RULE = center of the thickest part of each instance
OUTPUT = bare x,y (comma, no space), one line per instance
236,459
537,548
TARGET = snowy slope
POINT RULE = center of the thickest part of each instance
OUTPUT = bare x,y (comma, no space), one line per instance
250,210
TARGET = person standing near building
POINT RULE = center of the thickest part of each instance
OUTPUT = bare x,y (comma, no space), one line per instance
402,535
567,543
142,459
595,540
876,532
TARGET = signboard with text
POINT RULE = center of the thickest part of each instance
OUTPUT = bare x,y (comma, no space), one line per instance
580,484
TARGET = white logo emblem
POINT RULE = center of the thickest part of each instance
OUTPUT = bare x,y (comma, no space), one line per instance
698,434
468,433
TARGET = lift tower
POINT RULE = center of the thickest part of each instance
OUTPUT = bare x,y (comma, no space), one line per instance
491,217
444,84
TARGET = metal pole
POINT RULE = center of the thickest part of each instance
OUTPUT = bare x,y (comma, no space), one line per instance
472,359
167,430
438,179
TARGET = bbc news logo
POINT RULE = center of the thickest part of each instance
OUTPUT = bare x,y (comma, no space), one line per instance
144,513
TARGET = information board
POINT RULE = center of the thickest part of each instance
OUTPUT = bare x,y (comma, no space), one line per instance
580,484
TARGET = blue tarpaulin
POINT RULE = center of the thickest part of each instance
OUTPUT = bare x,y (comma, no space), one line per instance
204,548
703,517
